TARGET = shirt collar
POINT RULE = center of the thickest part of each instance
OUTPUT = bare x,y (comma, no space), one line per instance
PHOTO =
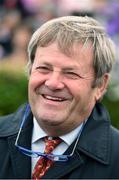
39,133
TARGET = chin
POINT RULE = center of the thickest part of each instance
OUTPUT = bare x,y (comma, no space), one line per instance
50,120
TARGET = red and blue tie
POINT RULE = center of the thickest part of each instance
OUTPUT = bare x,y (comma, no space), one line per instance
43,164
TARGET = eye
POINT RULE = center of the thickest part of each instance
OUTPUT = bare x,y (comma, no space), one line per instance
43,69
72,75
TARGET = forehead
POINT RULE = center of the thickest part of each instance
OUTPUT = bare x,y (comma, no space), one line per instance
79,53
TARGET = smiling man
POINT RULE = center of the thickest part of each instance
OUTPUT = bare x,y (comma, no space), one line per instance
63,132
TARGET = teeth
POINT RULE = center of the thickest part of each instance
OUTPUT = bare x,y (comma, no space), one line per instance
53,98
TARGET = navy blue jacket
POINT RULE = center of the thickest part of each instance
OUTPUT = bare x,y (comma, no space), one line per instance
96,155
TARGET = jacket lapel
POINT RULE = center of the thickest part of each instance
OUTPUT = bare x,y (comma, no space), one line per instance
21,164
95,140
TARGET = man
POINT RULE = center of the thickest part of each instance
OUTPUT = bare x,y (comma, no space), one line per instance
70,60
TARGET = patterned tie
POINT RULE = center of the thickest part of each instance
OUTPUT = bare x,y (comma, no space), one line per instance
43,164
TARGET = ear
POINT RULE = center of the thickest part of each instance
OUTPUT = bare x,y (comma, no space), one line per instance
101,89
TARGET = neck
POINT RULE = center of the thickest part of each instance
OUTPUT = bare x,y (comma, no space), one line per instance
58,130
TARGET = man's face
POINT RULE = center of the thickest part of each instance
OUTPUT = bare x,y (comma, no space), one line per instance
60,87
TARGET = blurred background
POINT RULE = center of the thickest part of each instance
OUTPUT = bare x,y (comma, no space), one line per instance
20,18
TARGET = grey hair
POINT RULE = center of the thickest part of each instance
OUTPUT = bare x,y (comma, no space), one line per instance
69,30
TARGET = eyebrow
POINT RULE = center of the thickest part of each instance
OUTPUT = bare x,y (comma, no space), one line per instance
70,68
73,67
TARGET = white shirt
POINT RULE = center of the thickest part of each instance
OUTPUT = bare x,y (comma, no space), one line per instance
38,144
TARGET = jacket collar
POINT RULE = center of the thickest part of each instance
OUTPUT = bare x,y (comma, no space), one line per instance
10,124
95,138
21,163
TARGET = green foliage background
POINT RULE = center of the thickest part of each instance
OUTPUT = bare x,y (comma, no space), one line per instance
13,92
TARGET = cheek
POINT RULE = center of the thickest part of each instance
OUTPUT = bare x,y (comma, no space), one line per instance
77,88
82,92
35,80
32,83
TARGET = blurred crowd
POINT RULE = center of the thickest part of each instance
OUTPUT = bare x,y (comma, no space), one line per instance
20,18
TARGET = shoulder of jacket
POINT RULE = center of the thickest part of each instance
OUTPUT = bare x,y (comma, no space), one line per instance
10,124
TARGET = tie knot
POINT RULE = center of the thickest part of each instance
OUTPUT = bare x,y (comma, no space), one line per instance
51,144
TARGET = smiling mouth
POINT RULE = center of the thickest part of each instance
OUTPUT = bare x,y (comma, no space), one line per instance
52,98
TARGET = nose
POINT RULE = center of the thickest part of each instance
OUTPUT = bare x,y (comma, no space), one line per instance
55,81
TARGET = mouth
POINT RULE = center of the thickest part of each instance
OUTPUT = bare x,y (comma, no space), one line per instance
53,98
